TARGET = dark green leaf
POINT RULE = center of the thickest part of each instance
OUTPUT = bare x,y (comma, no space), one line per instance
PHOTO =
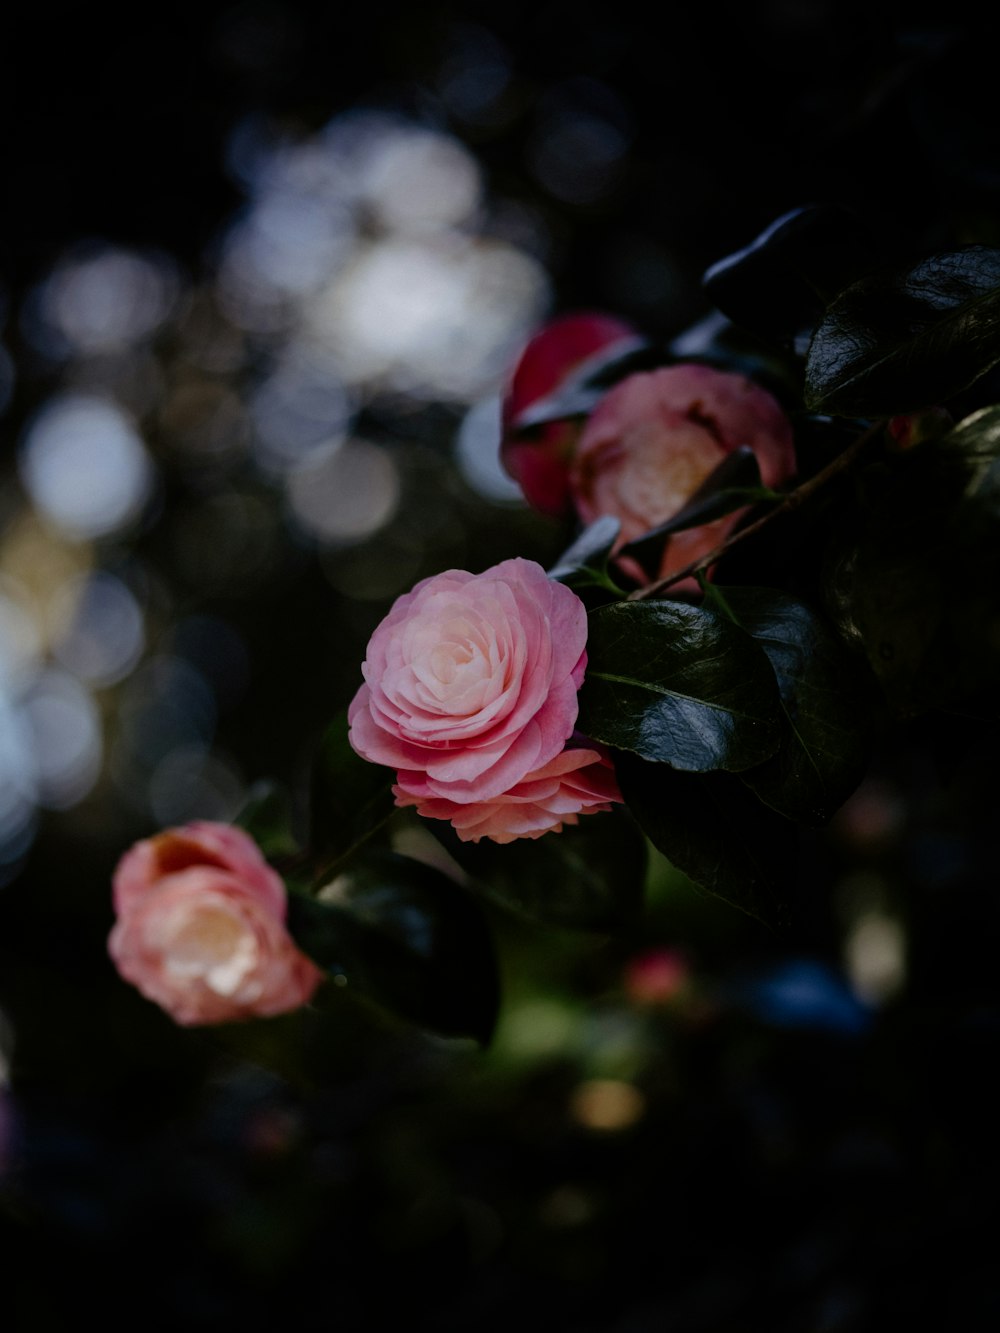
824,749
350,797
403,934
893,343
586,561
680,685
974,444
711,827
580,393
780,282
734,484
716,341
589,876
269,819
738,469
917,579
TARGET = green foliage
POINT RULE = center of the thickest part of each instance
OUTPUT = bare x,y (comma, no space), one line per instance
713,828
734,484
405,935
588,877
825,700
269,818
679,685
917,581
350,798
895,342
736,720
584,564
779,283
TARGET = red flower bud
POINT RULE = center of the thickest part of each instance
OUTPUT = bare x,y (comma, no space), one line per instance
538,458
915,427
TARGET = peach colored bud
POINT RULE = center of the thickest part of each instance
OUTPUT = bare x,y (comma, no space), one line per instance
200,928
653,440
200,843
538,458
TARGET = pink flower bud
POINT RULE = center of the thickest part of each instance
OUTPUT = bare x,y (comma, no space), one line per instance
653,440
538,458
201,930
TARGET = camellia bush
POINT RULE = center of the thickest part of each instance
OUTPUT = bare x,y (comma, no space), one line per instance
782,540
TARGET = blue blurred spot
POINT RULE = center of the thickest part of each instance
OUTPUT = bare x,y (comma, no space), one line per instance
802,993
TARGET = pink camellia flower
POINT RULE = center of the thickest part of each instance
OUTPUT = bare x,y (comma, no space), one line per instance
538,458
579,780
201,930
653,440
470,693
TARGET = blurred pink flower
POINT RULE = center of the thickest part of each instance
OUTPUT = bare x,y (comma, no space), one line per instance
538,458
470,693
653,440
656,976
201,930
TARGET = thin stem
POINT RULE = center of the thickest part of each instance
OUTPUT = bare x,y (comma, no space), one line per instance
327,872
790,500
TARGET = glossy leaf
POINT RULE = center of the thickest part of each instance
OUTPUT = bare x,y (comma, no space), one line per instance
718,342
917,580
585,562
974,444
713,828
824,748
893,343
733,485
679,685
405,935
589,876
780,282
350,797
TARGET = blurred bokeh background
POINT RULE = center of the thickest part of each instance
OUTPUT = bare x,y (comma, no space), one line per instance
264,267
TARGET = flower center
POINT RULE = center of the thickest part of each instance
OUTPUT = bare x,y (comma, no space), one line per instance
457,667
214,945
666,469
